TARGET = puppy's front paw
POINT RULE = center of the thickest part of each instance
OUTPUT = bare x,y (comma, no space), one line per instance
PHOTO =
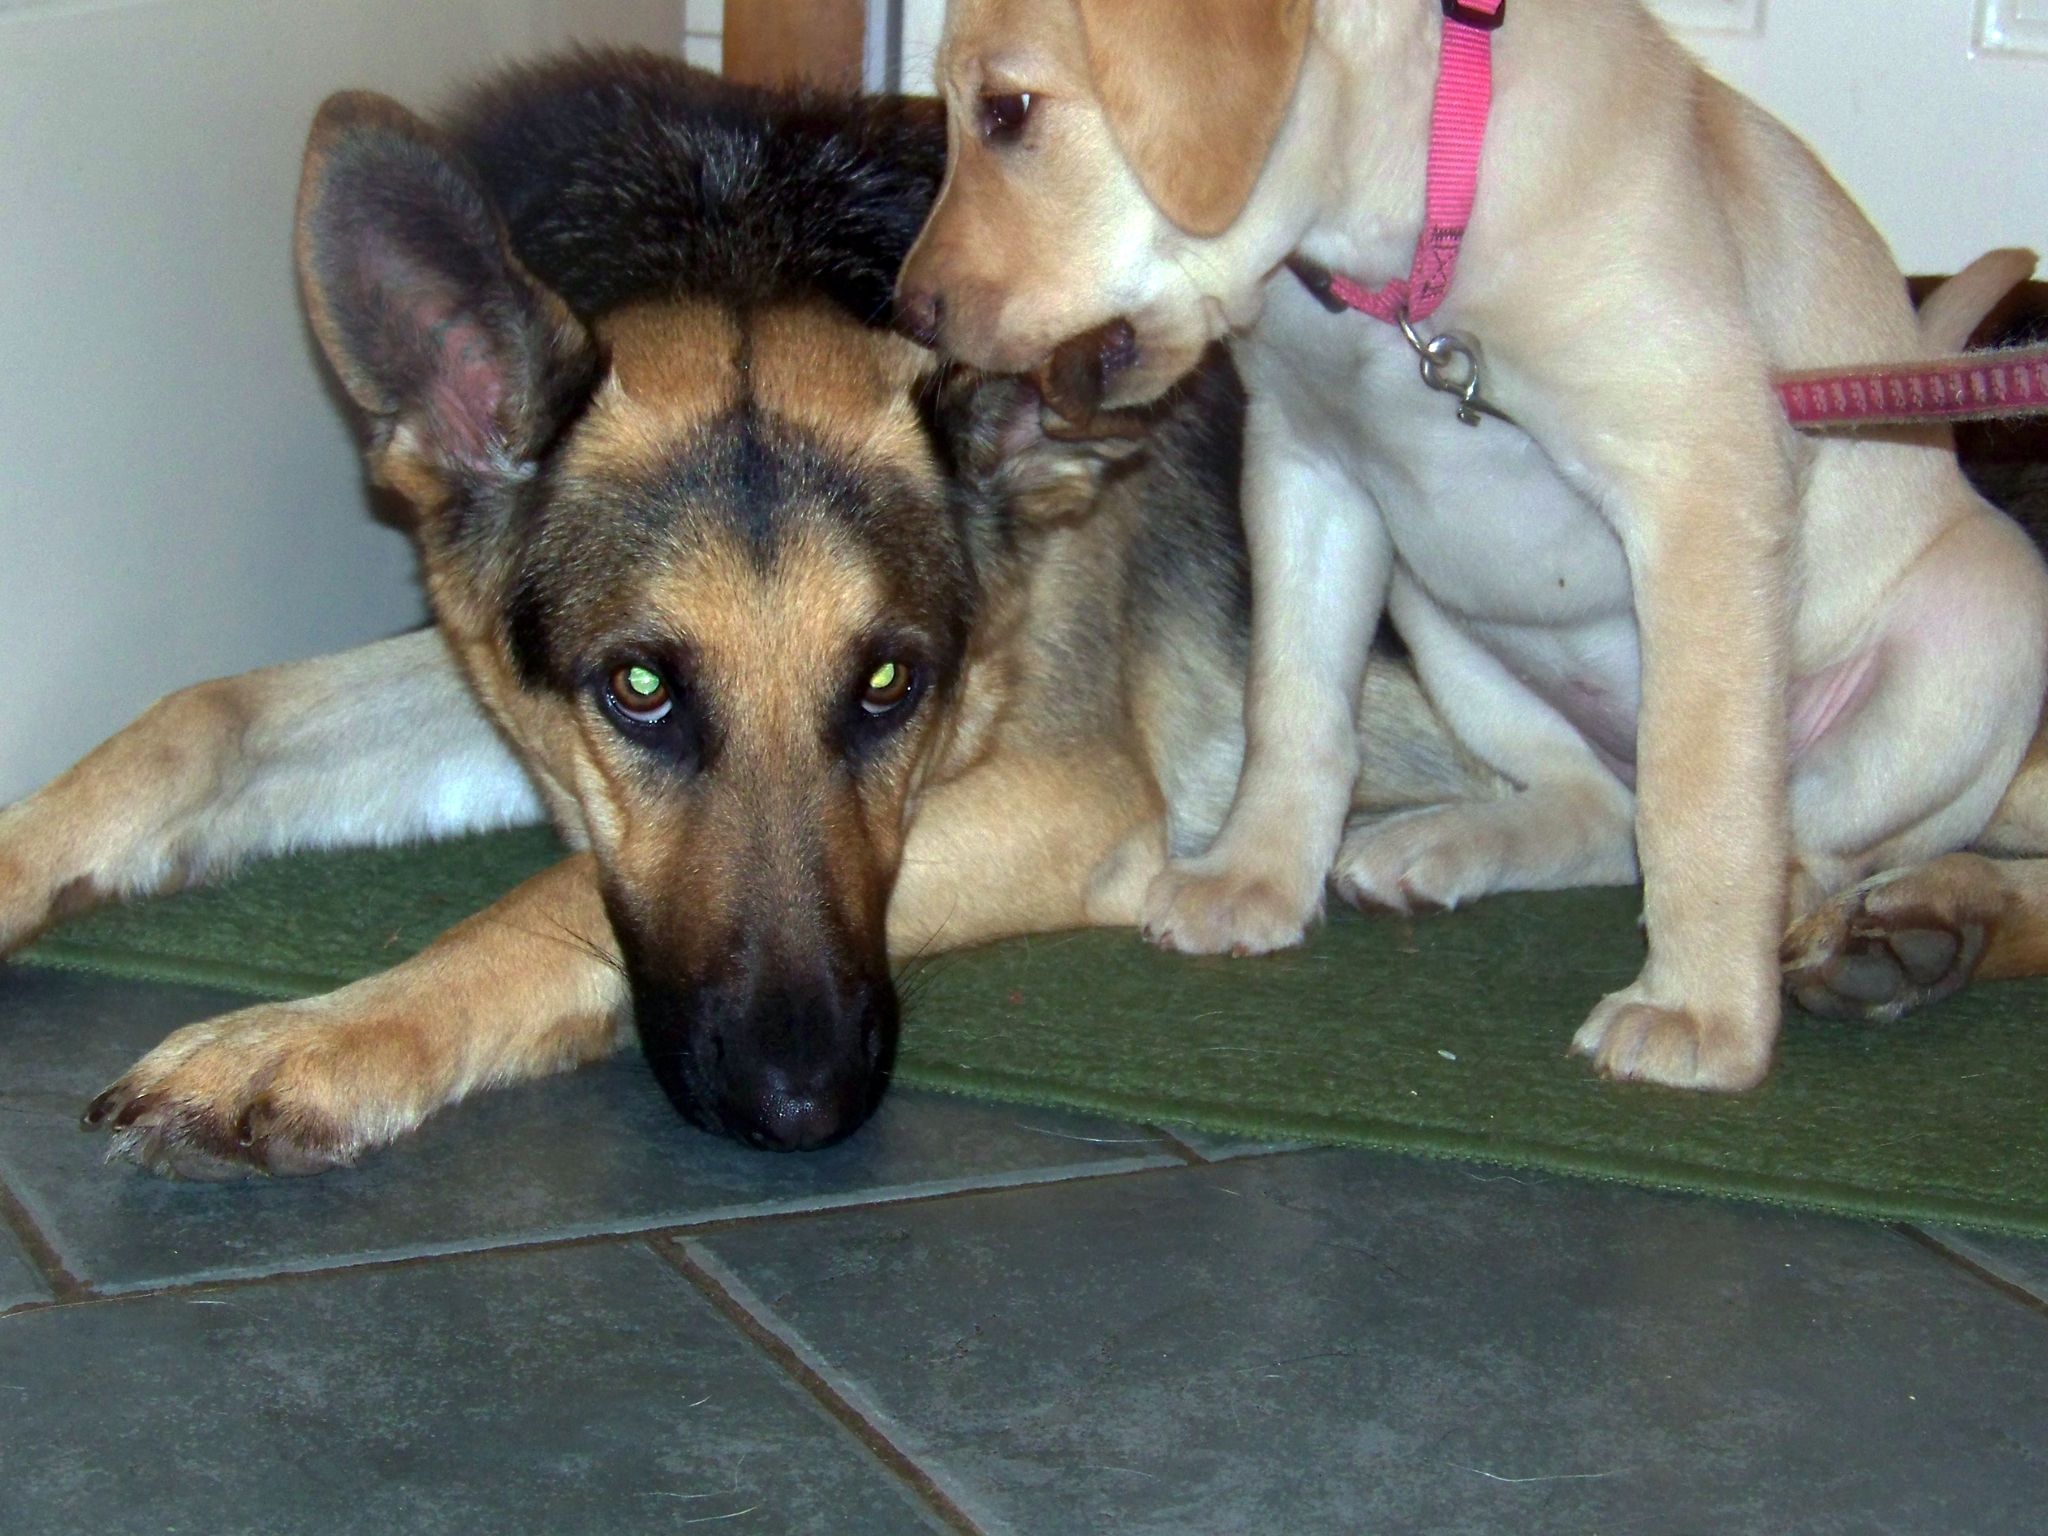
1438,857
1208,906
1633,1038
271,1090
1896,942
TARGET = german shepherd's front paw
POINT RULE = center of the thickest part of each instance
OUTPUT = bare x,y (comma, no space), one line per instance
1896,942
273,1090
1208,906
1633,1038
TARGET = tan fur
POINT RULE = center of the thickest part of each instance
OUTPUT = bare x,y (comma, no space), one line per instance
839,380
674,367
1194,91
1646,248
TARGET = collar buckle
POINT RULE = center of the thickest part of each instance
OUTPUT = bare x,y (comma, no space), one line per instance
1475,14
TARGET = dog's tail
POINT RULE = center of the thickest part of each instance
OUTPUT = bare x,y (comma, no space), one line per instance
2006,460
1951,314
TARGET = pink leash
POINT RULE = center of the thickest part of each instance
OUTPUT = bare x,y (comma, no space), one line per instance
1978,386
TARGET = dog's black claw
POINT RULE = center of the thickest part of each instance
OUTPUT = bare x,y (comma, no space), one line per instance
96,1112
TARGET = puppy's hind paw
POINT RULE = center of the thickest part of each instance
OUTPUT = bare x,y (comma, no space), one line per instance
1894,943
1200,907
1435,858
1631,1038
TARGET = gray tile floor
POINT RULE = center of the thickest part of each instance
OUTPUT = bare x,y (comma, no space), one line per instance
560,1310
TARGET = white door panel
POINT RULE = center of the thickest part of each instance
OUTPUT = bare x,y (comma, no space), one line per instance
179,496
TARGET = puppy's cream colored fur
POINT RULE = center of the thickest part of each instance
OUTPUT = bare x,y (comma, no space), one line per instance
1753,666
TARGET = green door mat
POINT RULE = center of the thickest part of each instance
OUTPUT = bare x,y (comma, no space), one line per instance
1445,1035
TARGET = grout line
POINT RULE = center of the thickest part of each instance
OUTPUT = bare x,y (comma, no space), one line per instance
863,1428
64,1286
75,1292
208,1284
1963,1261
1179,1148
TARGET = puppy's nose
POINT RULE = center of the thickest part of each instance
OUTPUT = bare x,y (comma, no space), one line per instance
918,313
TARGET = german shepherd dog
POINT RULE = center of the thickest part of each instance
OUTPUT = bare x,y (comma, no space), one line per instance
816,653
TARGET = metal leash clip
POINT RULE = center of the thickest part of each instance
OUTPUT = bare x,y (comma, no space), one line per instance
1452,365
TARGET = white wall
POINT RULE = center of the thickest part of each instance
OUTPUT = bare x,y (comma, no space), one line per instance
1942,139
179,495
1944,142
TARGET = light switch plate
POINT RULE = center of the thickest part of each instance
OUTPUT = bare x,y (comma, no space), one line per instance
2013,26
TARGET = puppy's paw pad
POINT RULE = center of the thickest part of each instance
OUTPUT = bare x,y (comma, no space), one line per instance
1881,950
1224,913
1640,1041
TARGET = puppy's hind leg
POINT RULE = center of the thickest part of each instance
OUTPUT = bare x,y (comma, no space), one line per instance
528,987
1923,765
374,745
1909,937
1567,825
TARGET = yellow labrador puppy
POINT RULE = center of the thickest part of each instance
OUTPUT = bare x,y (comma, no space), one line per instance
1751,666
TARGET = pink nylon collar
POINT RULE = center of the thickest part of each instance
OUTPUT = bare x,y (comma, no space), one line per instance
1457,131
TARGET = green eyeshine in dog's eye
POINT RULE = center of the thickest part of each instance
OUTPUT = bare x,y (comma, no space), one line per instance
886,687
641,694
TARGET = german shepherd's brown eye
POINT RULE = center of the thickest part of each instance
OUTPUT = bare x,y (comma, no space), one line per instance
887,686
639,693
1003,117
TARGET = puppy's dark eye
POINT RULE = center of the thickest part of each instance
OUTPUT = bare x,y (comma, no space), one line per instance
888,685
639,694
1003,117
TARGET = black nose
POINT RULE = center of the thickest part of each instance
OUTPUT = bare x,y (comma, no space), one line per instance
777,1114
786,1069
918,315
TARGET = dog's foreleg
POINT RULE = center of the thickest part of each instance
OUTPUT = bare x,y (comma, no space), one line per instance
374,745
1705,516
530,986
1320,559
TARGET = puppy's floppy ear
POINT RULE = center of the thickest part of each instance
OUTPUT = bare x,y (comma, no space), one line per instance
1194,91
465,365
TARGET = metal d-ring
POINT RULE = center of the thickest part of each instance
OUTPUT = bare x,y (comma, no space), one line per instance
1452,364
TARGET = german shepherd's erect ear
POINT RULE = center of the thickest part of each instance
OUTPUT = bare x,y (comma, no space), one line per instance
1194,91
466,366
